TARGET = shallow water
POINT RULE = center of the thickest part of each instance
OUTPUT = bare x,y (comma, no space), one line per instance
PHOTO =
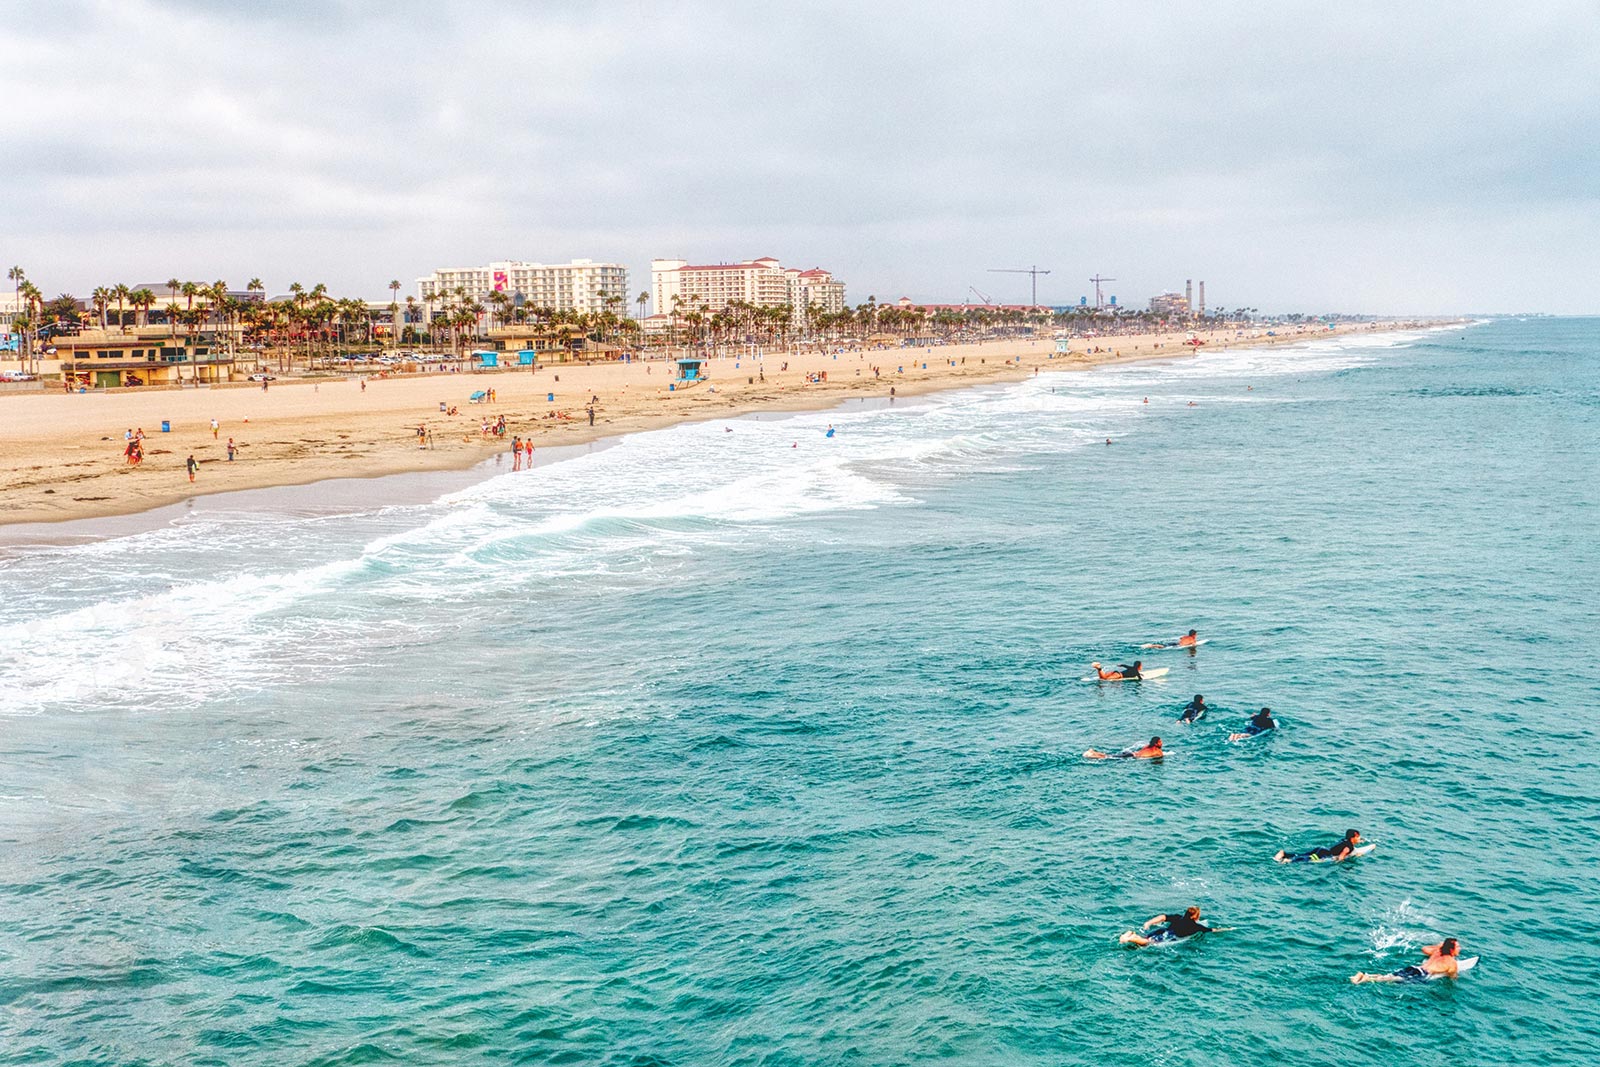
708,749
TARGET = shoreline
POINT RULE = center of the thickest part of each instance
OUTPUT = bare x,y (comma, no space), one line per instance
164,496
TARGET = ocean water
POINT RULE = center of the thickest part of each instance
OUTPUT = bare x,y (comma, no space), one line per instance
757,747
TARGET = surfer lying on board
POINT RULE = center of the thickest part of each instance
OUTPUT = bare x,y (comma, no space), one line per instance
1195,710
1179,926
1122,673
1341,851
1259,723
1441,961
1150,751
1188,640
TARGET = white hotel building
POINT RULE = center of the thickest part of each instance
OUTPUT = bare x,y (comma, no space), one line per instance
675,283
582,285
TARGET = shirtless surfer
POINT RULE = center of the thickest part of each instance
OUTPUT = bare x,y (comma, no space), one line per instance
1151,751
1440,961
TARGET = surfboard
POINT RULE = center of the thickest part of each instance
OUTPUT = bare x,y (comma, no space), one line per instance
1247,736
1461,965
1144,676
1174,644
1359,850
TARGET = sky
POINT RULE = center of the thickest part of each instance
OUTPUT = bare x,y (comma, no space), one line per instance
1427,157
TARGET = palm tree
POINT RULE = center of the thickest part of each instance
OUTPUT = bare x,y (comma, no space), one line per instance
643,300
121,292
101,298
142,299
394,312
17,276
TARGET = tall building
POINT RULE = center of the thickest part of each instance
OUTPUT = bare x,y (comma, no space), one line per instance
1171,305
678,285
582,285
1200,309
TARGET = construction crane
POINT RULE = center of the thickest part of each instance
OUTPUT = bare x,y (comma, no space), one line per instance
1099,302
1034,271
981,296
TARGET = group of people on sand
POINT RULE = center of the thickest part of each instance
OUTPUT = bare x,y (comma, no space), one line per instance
1441,960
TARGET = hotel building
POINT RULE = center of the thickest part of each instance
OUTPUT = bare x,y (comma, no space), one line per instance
677,284
582,285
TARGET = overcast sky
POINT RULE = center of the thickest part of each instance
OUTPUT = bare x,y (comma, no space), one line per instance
1426,156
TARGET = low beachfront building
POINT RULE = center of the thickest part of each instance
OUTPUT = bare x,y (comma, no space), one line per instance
679,287
582,285
112,359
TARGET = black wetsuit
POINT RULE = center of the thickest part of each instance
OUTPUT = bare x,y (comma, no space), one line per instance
1193,712
1178,927
1127,671
1260,724
1339,851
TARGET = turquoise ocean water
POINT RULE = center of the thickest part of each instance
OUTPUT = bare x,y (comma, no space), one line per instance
706,749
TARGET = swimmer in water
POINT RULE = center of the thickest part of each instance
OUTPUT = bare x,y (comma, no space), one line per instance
1338,853
1123,673
1195,710
1178,926
1151,751
1188,640
1259,723
1441,961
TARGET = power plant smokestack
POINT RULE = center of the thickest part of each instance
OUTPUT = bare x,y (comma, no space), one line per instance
1188,294
1202,306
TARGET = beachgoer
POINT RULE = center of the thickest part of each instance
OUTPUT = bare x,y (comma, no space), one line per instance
1441,961
363,385
1124,672
1337,853
230,450
1195,710
1152,750
1259,723
1179,925
1188,640
193,466
213,429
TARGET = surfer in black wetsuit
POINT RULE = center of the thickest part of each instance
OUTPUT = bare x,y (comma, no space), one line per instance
1259,723
1195,710
1178,926
1341,851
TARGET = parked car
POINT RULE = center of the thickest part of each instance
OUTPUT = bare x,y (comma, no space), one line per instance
17,376
261,378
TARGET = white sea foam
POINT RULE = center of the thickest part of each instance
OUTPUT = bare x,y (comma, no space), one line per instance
638,511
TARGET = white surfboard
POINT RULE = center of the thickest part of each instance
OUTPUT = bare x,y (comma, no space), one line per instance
1461,965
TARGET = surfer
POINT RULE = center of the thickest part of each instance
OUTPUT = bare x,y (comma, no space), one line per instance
1441,961
1184,924
1195,710
1188,640
1259,723
1342,851
1151,751
1123,672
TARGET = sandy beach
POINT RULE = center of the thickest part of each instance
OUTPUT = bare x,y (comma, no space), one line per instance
62,455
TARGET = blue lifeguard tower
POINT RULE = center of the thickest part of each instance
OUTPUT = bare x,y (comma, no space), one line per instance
487,358
689,370
525,358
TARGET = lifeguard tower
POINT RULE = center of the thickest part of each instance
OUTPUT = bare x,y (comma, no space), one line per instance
691,370
487,359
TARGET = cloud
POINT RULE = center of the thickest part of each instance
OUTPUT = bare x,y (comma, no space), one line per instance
1357,156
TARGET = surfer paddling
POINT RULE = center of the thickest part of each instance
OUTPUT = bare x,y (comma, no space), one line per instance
1151,751
1188,640
1337,853
1259,723
1179,926
1194,711
1123,673
1439,961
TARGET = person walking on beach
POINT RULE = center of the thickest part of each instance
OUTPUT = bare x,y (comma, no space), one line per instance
193,466
230,450
516,453
213,429
527,448
591,414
